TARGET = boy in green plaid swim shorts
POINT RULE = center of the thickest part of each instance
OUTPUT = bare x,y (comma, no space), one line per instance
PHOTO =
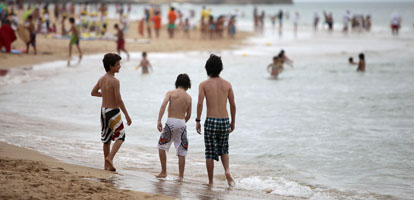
216,137
217,126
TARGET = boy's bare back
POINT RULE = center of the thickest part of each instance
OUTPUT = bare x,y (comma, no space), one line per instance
179,105
109,86
217,91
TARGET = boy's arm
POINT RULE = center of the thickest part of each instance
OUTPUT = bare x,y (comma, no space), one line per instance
201,96
289,62
232,109
95,91
162,110
149,64
188,114
119,101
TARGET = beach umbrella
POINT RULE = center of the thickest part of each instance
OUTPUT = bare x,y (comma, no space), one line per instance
27,14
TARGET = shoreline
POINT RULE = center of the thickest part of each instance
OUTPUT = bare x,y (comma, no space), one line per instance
52,49
26,174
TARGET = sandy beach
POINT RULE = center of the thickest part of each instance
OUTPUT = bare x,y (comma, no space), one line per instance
50,49
27,174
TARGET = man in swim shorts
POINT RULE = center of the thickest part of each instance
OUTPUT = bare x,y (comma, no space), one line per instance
108,88
172,16
120,42
175,130
74,40
217,126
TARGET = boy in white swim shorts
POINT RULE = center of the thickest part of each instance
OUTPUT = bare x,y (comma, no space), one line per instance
175,130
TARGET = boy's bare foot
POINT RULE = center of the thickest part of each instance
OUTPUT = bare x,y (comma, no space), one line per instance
109,165
161,175
230,180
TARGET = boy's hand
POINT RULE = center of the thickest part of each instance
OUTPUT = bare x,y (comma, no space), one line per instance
198,128
129,122
232,126
159,126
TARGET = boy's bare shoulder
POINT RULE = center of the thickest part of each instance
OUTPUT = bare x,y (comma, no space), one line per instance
188,96
226,83
204,82
109,79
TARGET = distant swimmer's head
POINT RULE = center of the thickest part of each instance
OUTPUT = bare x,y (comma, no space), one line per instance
172,8
183,81
275,58
72,20
351,60
281,54
361,56
111,60
144,54
214,66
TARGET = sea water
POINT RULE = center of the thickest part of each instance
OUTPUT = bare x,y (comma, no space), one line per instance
320,130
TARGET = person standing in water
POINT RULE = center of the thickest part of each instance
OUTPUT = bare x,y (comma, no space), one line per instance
108,88
217,125
145,64
175,130
361,63
275,67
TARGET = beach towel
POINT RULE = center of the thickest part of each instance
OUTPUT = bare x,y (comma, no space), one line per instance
7,36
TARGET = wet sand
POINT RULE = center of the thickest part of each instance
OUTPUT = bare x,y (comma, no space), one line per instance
27,174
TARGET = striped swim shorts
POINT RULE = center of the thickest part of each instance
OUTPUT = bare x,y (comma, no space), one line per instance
112,126
216,137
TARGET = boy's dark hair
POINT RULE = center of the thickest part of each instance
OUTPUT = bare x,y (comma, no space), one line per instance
116,26
183,81
144,53
281,54
214,66
30,17
275,58
109,60
361,56
172,8
72,20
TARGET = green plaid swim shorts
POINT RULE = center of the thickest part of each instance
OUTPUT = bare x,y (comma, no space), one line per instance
216,137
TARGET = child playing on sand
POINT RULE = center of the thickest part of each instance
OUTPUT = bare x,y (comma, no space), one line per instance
120,41
361,63
108,88
175,130
187,28
145,64
74,40
31,28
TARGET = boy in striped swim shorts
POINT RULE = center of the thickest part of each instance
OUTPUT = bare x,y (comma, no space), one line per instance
108,88
217,125
175,130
